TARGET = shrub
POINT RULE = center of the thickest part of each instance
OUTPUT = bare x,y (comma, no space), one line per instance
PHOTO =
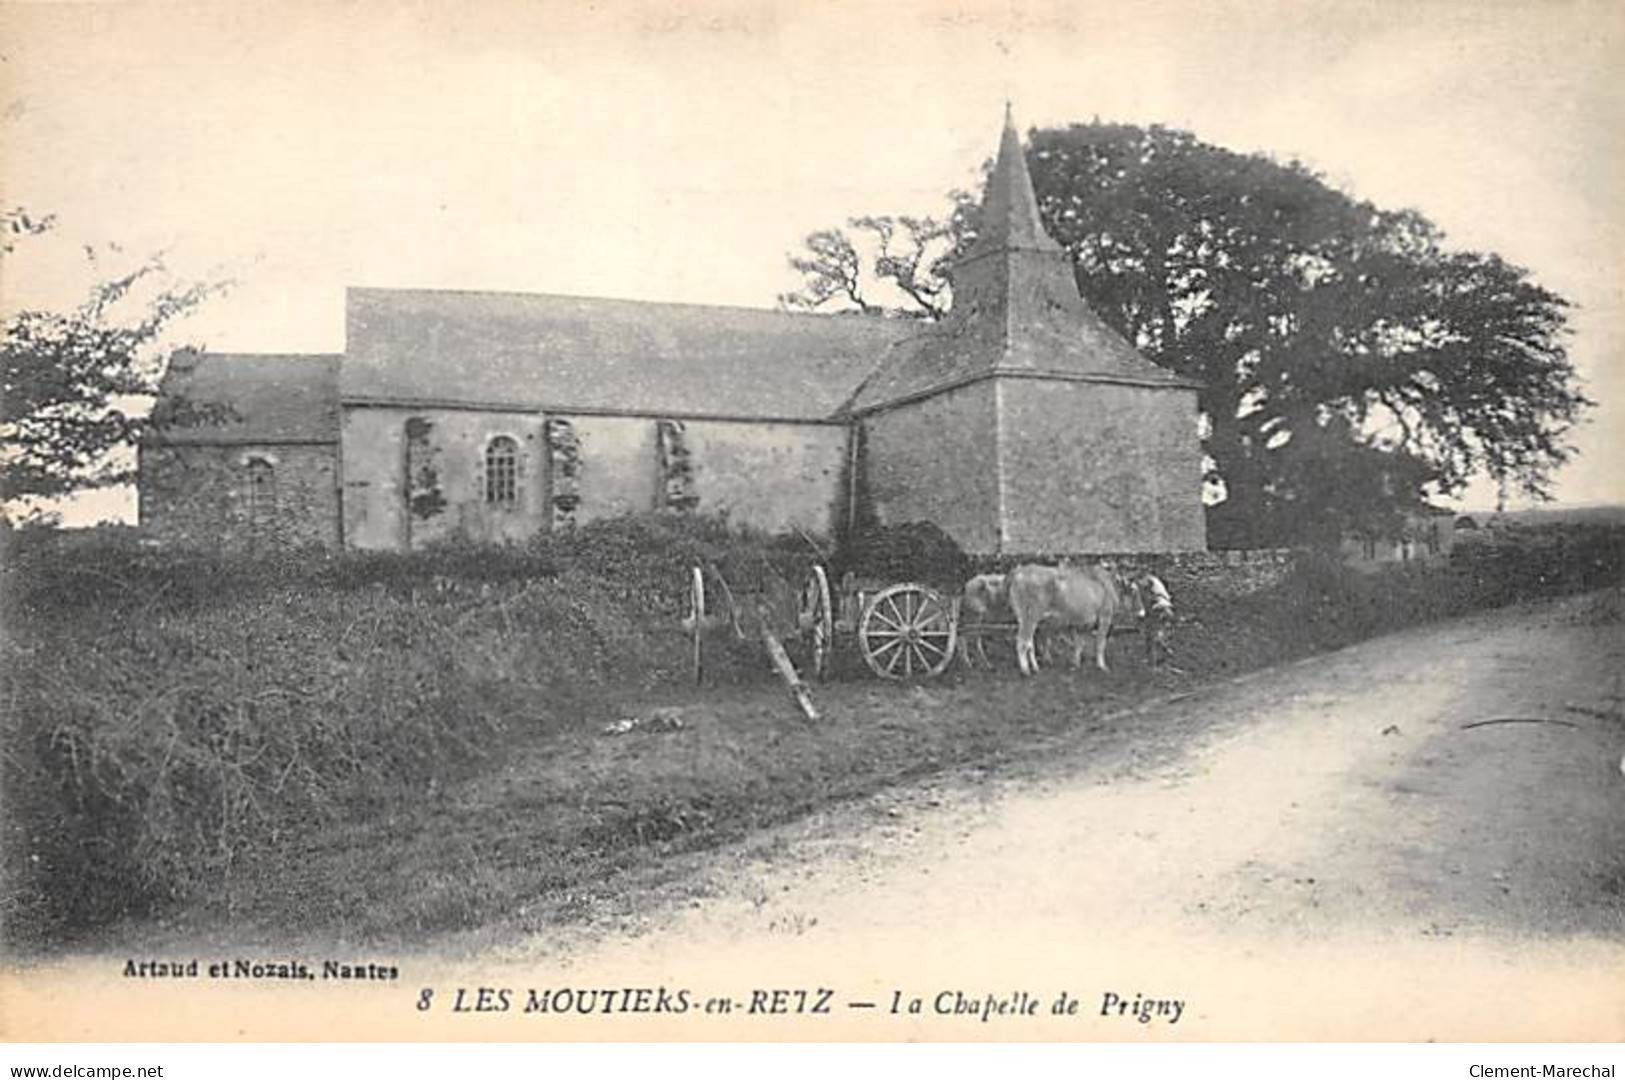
913,551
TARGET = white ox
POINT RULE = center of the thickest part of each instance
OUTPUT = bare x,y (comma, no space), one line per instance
1069,595
986,599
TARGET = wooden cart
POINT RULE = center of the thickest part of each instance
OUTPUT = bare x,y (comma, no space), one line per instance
903,631
772,614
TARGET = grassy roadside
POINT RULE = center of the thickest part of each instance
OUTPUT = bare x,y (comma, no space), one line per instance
380,749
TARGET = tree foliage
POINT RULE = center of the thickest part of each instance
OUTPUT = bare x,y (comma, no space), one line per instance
78,385
1351,360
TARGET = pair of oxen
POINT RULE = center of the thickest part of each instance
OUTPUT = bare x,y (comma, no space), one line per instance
1084,597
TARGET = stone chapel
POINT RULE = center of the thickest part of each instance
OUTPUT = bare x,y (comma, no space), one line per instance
1020,424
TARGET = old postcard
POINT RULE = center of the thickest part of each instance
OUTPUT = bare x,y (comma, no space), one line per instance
1075,522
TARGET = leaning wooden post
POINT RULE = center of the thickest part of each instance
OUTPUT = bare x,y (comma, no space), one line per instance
787,672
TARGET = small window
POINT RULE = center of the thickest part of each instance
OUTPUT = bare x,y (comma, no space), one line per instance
261,492
502,471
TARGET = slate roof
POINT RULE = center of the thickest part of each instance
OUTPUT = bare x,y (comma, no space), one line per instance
490,349
1010,218
274,397
1016,312
1016,309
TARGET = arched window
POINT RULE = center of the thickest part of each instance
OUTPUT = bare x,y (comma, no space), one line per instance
502,471
261,492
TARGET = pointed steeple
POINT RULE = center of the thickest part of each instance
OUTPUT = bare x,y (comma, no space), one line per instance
1010,218
1016,308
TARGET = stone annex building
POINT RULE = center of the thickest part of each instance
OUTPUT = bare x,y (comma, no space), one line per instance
1021,424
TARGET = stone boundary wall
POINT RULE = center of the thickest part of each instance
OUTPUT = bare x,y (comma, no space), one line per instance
1216,573
1223,573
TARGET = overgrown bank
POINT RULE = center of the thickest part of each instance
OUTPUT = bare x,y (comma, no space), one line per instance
170,717
389,745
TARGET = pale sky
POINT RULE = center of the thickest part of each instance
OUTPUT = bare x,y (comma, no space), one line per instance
678,152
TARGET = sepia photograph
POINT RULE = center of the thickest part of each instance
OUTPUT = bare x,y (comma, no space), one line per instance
746,522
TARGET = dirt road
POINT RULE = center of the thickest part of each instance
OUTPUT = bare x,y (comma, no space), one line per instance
1420,836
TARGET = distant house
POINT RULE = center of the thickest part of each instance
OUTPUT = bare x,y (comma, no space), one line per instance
1020,424
1423,533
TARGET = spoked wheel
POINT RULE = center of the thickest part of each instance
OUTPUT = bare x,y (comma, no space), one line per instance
907,631
695,623
816,617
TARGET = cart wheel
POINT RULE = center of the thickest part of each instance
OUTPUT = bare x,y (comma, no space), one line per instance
696,620
907,631
816,618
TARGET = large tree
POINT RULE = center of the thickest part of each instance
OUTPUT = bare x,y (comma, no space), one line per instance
78,385
1351,359
883,265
